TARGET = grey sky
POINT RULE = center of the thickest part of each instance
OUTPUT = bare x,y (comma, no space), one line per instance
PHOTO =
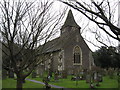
87,26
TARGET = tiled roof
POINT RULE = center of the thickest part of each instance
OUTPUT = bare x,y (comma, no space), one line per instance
52,46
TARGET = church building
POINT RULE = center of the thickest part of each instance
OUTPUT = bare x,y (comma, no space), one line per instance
69,51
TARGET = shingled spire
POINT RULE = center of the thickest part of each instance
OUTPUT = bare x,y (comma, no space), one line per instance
70,20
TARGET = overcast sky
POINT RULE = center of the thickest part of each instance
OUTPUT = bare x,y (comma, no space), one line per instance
86,25
86,29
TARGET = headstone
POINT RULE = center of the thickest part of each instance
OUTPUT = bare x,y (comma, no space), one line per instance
41,74
111,73
100,79
81,78
50,73
48,78
84,75
88,78
64,74
73,78
118,80
78,77
95,77
11,74
4,74
41,70
60,74
92,86
56,75
34,74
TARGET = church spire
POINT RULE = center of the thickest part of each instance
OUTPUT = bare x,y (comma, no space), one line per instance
70,20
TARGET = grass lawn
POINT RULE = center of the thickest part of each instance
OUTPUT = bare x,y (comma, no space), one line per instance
109,83
11,83
67,83
0,83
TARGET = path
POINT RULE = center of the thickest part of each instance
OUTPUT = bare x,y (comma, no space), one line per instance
44,84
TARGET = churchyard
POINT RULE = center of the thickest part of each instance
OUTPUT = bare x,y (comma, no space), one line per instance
107,79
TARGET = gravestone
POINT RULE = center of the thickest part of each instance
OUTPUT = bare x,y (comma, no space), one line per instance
4,74
84,75
50,73
60,74
56,75
111,73
34,74
41,72
118,74
64,74
92,86
11,74
88,78
73,78
100,79
48,78
95,77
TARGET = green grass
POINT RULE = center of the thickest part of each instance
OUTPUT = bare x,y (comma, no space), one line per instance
0,79
67,83
11,83
0,83
109,83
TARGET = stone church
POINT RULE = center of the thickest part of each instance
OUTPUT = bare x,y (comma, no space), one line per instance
69,51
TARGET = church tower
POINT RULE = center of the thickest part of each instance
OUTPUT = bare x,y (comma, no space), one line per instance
77,54
70,25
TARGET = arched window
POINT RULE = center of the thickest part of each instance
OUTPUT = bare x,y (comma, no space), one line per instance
77,54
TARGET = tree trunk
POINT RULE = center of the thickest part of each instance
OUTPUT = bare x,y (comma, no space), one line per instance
23,80
19,85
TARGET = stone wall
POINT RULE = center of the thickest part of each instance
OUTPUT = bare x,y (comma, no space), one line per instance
75,39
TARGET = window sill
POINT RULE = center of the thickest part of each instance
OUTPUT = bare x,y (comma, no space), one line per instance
77,64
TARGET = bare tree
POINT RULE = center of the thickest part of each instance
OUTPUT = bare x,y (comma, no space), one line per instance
101,12
24,27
